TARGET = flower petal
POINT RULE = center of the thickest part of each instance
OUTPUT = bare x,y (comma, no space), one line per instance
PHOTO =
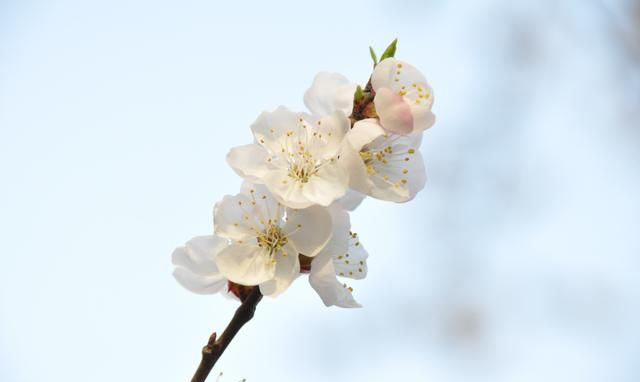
264,204
383,74
364,132
245,264
249,161
270,127
200,284
288,191
330,92
423,118
328,185
233,217
400,181
309,229
326,134
396,75
395,114
198,255
323,280
287,268
358,178
351,200
353,263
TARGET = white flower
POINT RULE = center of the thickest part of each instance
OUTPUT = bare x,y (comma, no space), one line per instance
266,238
343,256
196,269
383,165
295,156
403,97
330,92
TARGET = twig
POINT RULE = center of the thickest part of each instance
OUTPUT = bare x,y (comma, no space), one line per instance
217,345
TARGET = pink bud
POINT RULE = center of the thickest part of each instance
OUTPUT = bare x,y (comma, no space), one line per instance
395,114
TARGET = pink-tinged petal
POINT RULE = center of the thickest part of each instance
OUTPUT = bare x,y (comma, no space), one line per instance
245,264
249,161
394,113
309,229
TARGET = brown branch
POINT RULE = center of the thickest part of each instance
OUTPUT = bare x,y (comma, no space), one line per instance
217,345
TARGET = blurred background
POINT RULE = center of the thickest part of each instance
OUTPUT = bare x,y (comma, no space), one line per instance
518,262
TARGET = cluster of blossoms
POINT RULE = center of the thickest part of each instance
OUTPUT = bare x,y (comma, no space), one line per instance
302,174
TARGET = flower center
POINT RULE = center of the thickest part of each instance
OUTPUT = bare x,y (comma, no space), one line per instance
371,157
302,166
272,238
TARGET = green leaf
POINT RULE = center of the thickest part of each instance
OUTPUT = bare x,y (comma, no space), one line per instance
359,94
373,56
390,51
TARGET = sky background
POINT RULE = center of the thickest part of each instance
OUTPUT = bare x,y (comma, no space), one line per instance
518,262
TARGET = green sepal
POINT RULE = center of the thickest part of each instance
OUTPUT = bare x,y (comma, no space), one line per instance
358,95
390,51
373,56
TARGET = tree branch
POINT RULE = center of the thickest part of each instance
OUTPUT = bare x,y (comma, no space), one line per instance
217,345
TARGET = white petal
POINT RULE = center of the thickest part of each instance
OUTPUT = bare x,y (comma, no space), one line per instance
386,72
354,165
351,200
233,217
339,243
383,74
323,280
327,134
309,229
390,189
249,161
328,185
423,118
198,255
246,264
353,263
264,204
364,132
200,284
288,191
287,269
269,127
330,92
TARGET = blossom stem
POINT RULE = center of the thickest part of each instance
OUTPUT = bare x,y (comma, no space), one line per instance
212,351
